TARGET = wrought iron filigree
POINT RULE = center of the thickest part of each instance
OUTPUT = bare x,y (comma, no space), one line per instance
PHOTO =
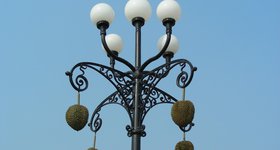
156,97
123,82
137,90
131,131
152,78
115,98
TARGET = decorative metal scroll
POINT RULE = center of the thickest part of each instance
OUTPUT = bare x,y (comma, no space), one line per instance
152,78
131,131
156,97
115,98
123,82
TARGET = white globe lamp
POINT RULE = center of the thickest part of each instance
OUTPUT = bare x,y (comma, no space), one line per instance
114,42
173,44
138,8
102,12
168,9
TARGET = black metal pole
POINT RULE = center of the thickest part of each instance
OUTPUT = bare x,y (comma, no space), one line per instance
137,127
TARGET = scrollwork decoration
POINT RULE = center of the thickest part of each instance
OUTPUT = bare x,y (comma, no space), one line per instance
97,123
157,97
123,82
115,98
131,131
183,79
81,82
152,78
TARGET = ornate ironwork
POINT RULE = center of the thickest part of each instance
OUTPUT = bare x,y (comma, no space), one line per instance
152,78
115,98
156,97
123,82
131,131
136,89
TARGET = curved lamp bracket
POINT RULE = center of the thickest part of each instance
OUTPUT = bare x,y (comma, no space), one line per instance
107,49
163,50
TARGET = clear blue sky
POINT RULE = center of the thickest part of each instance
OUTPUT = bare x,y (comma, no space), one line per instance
236,90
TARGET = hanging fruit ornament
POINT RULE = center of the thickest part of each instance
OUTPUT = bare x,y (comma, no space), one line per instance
182,112
77,116
184,145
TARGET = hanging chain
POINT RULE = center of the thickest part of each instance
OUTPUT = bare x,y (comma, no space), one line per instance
94,140
78,98
184,136
184,94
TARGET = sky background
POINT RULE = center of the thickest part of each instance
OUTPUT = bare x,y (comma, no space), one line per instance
236,91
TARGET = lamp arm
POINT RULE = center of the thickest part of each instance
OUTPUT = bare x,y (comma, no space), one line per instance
164,48
109,52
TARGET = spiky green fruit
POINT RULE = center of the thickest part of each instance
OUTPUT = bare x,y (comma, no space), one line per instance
182,113
184,145
77,116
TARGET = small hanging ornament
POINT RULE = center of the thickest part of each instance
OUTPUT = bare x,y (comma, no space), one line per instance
77,116
184,145
182,112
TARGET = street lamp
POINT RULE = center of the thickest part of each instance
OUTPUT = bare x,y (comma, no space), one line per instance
136,88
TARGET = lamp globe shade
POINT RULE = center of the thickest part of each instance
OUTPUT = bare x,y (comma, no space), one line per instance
137,8
102,12
173,45
168,9
114,42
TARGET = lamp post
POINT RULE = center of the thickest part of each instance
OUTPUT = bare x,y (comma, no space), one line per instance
136,88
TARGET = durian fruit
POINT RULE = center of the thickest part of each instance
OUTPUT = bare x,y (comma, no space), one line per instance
182,113
184,145
92,148
77,116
